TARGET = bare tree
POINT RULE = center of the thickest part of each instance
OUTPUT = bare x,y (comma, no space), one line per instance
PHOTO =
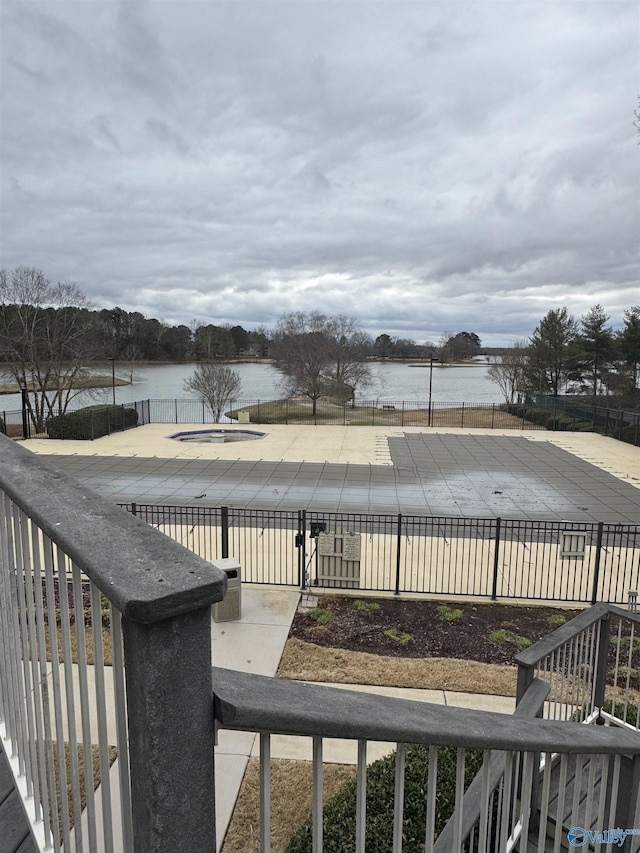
216,384
321,355
509,371
47,339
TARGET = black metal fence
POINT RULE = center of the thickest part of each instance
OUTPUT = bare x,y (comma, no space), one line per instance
541,413
85,424
491,558
552,413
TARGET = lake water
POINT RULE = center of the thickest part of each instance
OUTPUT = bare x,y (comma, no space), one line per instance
390,382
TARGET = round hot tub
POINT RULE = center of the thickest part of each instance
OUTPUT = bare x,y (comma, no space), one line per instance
217,436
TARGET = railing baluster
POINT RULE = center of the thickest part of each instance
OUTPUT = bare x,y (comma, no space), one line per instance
457,827
67,664
591,785
317,795
559,836
431,799
52,820
484,803
544,805
122,742
35,619
507,791
101,709
528,770
361,797
58,735
615,790
577,786
398,801
84,707
265,792
23,579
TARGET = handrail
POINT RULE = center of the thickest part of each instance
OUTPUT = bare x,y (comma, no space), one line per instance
53,530
553,641
529,708
148,577
248,702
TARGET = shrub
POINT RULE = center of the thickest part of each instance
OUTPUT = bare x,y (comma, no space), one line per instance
365,606
449,614
502,635
321,615
91,422
339,815
398,636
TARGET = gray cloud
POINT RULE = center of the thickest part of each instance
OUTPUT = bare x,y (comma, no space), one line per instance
422,166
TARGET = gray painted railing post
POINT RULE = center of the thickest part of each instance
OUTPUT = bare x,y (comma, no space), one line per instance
596,567
601,662
627,807
496,557
171,740
525,680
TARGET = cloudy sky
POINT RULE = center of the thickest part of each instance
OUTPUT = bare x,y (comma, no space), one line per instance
422,166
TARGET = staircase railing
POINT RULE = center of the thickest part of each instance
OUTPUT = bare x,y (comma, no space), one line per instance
504,801
105,653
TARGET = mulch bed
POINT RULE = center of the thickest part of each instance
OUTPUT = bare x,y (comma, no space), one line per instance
431,635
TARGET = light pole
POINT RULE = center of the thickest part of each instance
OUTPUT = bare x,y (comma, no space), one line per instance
113,379
430,383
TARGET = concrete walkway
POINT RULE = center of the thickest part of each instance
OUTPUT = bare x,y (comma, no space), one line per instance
255,644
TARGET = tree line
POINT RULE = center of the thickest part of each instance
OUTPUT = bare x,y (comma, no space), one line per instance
584,356
50,336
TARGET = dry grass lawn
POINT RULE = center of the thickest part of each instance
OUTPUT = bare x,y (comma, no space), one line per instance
291,780
307,662
291,788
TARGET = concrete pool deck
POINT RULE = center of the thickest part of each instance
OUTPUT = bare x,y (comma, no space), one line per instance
438,471
457,471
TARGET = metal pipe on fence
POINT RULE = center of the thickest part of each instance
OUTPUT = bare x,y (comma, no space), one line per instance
496,553
301,544
596,567
224,531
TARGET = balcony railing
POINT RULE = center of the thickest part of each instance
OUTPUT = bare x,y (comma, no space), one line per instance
106,653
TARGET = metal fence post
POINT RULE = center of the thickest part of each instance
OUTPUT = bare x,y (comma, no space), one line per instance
462,417
398,553
171,732
134,508
224,531
301,545
596,567
25,407
493,414
496,553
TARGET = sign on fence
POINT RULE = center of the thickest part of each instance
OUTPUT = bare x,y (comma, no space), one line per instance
339,560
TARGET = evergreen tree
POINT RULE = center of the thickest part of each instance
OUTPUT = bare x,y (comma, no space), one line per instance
549,352
593,351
